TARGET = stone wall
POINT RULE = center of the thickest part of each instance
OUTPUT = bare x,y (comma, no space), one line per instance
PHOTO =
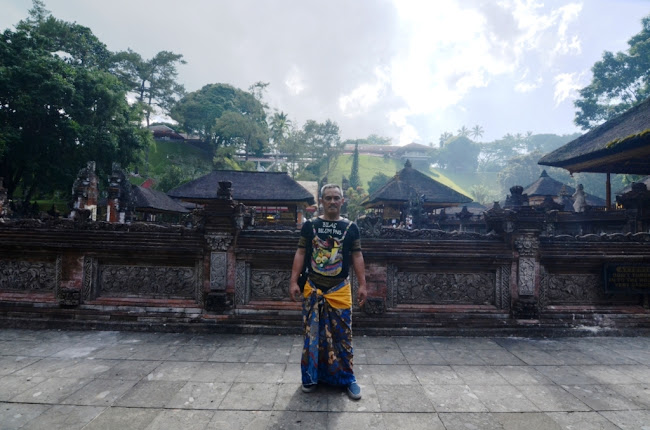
218,277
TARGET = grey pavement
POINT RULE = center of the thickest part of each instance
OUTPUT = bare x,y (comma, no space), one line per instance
129,380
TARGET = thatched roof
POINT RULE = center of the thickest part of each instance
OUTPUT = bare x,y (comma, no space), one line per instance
247,187
620,145
547,186
148,200
409,183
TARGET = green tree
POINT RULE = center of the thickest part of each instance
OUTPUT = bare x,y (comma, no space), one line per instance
619,82
483,194
154,81
476,132
520,170
353,199
323,141
293,148
377,181
460,154
444,138
279,128
464,131
354,173
60,109
202,112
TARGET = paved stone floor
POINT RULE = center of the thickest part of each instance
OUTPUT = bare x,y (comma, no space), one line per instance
125,380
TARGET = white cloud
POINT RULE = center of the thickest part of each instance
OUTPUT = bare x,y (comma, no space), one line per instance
294,81
566,86
364,96
453,48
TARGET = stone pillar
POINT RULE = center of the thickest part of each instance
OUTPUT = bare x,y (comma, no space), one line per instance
525,304
85,192
119,194
221,226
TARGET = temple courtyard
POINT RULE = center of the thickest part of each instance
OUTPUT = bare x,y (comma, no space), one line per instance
131,380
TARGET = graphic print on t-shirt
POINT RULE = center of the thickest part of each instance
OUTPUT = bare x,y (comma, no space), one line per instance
326,259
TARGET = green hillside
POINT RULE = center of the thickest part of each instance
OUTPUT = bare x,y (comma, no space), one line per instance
196,162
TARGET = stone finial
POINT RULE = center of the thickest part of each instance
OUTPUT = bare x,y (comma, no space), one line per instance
225,190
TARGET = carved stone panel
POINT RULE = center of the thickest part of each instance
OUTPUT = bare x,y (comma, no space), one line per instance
269,284
242,283
89,281
526,276
29,276
576,289
218,270
445,288
156,281
503,287
391,285
219,242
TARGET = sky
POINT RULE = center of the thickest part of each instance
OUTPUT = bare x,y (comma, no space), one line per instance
409,70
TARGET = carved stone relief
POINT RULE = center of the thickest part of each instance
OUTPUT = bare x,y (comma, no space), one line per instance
526,276
242,276
218,270
219,242
441,288
160,281
503,287
527,244
30,276
448,288
89,280
576,289
269,284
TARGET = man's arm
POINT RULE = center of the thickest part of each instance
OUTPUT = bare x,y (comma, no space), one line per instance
360,270
296,269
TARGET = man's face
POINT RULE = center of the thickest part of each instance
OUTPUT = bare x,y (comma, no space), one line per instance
332,202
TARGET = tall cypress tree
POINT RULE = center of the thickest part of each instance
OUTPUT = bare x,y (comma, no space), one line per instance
354,174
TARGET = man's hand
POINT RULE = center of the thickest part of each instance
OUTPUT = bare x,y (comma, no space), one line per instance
294,291
362,295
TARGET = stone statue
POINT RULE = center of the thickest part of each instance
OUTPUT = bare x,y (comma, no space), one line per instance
579,200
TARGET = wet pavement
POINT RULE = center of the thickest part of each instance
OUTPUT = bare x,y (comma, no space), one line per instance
129,380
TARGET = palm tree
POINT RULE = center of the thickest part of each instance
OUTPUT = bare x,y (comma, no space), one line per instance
463,131
444,137
476,132
280,127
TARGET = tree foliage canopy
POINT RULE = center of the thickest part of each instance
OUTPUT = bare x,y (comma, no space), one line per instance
153,81
60,106
224,116
619,82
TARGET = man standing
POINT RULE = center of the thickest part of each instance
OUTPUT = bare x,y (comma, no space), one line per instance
331,244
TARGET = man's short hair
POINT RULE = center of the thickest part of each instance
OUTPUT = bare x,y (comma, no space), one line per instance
328,186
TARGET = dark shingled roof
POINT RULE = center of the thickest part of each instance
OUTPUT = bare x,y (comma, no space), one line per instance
148,200
408,182
246,187
620,145
547,186
628,188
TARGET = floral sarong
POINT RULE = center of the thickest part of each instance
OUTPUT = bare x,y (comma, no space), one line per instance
327,355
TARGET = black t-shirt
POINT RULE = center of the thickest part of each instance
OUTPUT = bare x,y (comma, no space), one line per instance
329,244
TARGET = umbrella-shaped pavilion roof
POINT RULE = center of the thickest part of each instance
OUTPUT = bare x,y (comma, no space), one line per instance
410,183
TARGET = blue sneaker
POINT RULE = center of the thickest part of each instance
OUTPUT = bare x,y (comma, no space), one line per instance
310,388
354,391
